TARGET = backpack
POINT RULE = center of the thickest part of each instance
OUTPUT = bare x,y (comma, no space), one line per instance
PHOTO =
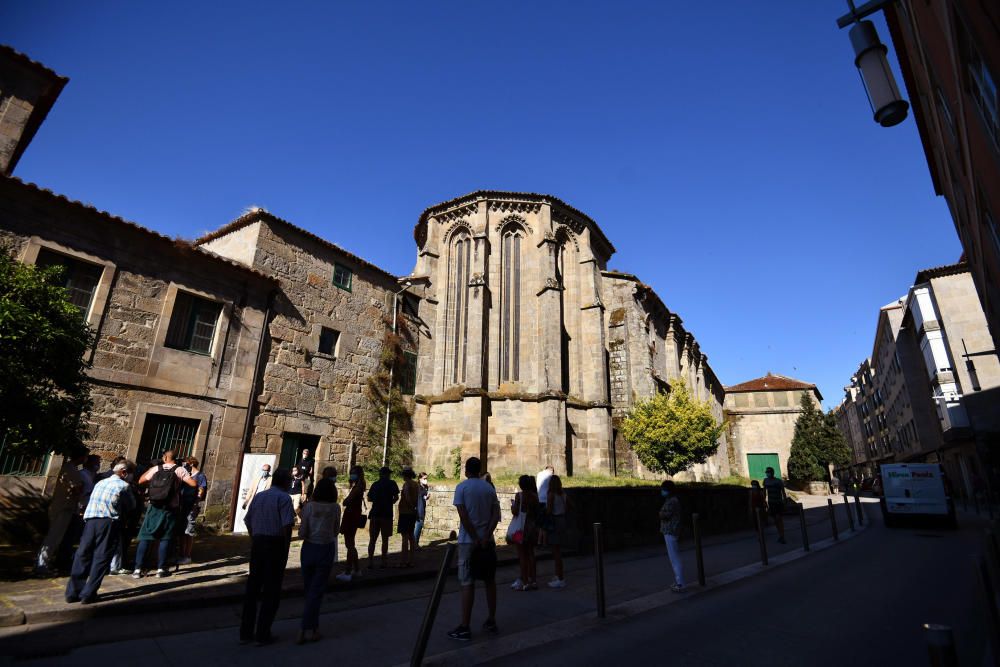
162,486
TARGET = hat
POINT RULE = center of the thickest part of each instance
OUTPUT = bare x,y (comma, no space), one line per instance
408,472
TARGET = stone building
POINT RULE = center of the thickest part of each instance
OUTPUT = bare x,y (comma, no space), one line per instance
27,91
326,330
178,331
648,350
518,351
761,415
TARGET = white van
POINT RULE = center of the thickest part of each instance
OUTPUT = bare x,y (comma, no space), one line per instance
915,492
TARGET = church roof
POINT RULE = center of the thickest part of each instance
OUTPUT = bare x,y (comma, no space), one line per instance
505,195
771,382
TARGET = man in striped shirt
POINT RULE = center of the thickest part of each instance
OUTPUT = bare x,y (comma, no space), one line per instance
110,499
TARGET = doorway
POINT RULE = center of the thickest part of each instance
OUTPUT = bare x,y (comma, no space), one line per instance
292,445
758,463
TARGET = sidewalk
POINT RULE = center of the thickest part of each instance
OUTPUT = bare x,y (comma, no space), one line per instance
211,597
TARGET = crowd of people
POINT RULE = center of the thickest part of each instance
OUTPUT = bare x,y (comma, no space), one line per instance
101,513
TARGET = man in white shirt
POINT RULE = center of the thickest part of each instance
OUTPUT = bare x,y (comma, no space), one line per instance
479,511
542,484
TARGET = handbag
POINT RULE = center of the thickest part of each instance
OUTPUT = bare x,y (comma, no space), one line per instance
515,530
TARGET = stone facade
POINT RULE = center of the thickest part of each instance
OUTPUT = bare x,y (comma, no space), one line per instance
648,349
137,285
519,362
27,92
761,416
311,397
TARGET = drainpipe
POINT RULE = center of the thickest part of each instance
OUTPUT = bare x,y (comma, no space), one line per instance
258,379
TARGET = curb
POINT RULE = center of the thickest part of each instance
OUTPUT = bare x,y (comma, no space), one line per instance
586,623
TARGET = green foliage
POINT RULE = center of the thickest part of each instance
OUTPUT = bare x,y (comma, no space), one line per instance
734,480
669,433
378,392
439,472
816,444
44,389
456,463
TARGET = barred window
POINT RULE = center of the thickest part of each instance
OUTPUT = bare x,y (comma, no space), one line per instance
79,278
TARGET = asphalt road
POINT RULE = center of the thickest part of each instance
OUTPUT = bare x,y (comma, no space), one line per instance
861,603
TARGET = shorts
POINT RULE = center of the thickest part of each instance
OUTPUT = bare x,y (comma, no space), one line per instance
407,522
380,526
296,501
476,563
192,518
775,509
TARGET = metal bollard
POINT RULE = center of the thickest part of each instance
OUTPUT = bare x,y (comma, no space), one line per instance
802,525
760,537
432,606
696,524
850,516
940,645
833,519
599,568
857,506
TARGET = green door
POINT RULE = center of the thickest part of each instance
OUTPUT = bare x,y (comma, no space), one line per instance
292,445
758,463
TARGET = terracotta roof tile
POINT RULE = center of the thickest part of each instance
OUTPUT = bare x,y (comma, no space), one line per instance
769,382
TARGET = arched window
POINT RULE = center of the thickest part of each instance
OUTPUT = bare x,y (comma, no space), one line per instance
510,303
458,306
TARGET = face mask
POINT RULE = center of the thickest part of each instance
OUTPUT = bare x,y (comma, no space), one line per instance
354,478
664,493
266,474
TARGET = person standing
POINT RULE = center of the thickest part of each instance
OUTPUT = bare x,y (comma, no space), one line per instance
191,500
318,530
670,526
757,503
774,489
351,522
422,498
109,500
62,508
261,482
164,490
542,484
297,490
383,495
129,522
409,496
526,501
308,466
555,528
479,513
269,521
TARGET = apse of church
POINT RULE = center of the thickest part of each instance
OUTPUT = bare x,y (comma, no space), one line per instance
512,361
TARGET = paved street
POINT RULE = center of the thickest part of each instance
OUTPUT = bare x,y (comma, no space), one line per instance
865,597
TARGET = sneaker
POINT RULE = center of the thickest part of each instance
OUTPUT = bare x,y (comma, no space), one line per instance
517,585
461,633
344,577
557,583
677,588
490,626
161,573
137,574
123,571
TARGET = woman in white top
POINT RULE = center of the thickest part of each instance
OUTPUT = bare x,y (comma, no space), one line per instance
318,530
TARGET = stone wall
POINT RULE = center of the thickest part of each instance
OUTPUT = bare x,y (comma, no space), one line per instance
763,422
133,372
27,92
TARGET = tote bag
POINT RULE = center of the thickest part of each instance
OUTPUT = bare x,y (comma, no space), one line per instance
515,531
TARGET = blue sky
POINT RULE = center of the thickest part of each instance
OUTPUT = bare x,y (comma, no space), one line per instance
726,149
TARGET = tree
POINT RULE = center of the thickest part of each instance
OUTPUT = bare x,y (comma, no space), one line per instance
817,443
671,432
378,393
44,388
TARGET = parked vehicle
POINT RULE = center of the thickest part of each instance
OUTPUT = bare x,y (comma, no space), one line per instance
915,494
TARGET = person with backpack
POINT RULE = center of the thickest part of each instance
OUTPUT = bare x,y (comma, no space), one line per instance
164,492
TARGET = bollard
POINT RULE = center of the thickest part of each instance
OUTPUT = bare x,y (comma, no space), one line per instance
802,525
599,568
760,536
833,519
940,645
857,506
699,558
432,606
850,516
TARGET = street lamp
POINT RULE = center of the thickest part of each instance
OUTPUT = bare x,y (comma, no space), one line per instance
888,106
392,366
